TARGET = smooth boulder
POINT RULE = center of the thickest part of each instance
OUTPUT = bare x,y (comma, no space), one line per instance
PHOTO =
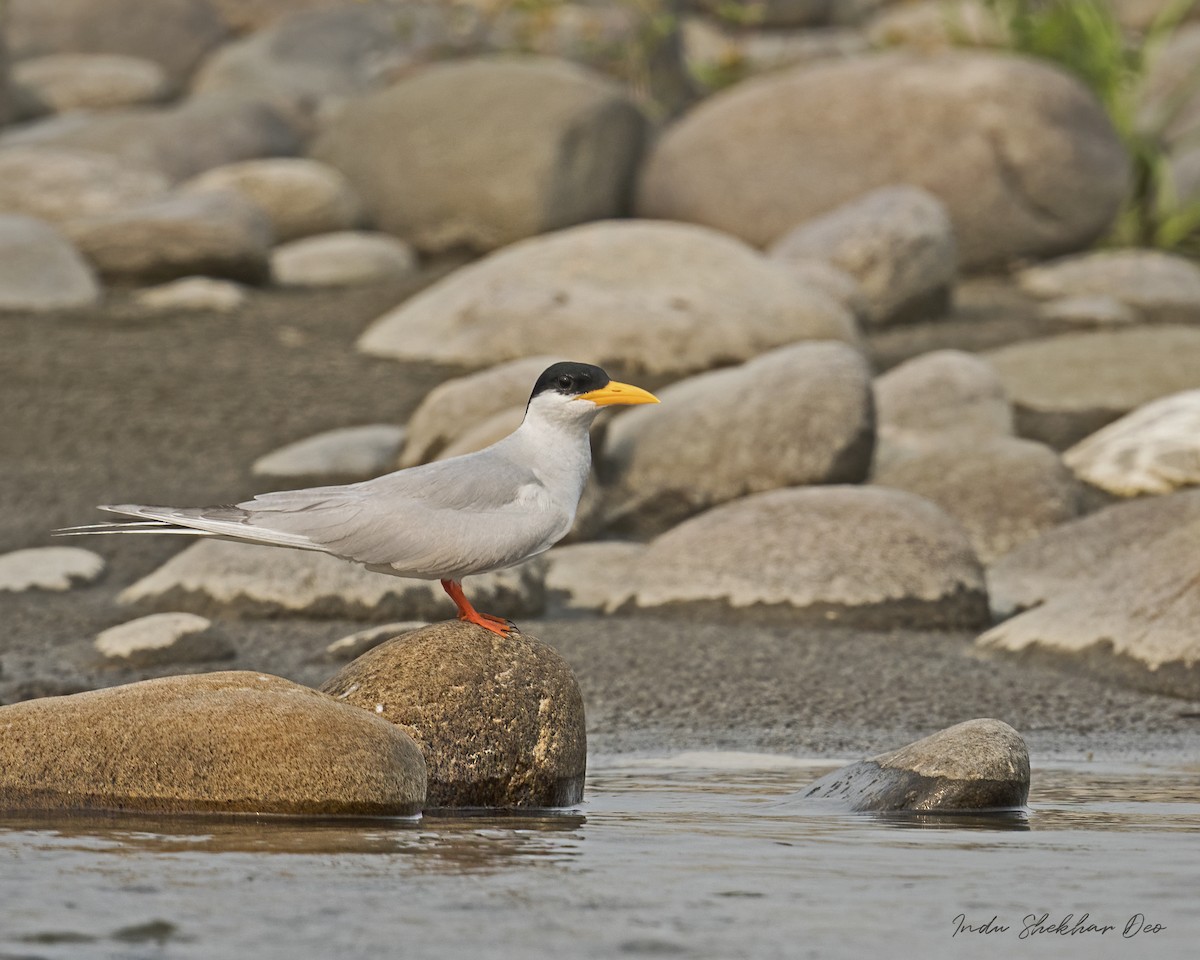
797,415
975,766
499,719
343,259
163,638
659,298
234,742
358,453
49,568
62,185
1036,168
40,269
63,82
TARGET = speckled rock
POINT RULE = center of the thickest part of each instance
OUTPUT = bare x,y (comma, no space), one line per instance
40,269
898,244
343,259
48,568
220,577
1036,170
163,638
458,405
863,556
353,453
81,81
1066,387
508,149
661,298
797,415
1154,450
60,185
1064,559
1160,287
189,294
1003,491
500,720
978,765
181,235
946,397
592,576
356,644
241,742
300,197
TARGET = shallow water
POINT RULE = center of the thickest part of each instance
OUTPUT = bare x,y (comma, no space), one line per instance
692,856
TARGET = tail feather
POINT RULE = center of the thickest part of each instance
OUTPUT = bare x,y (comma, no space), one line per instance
227,523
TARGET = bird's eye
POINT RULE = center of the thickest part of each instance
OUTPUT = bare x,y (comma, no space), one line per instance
566,382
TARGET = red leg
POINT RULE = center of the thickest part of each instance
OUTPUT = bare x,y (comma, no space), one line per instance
471,615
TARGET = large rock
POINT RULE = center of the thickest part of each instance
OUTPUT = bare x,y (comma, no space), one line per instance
660,298
300,197
61,185
40,269
1036,167
508,149
797,415
343,259
235,742
863,556
1132,618
978,765
942,398
173,33
48,568
90,81
1003,491
1064,560
163,638
1066,387
499,719
357,453
181,235
1160,287
1154,450
898,244
219,577
592,576
178,141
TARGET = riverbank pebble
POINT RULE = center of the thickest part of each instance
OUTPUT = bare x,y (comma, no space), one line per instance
342,259
163,638
40,269
80,81
49,568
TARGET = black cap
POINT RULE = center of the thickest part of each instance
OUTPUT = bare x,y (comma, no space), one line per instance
570,379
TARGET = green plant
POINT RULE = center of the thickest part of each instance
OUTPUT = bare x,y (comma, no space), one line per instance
1085,37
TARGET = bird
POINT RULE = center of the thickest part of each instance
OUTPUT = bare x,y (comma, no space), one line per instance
445,520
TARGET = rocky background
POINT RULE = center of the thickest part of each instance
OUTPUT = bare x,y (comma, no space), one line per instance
862,251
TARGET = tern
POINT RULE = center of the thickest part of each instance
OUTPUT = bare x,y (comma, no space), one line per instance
442,521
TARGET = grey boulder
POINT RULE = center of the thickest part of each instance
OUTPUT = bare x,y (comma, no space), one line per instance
350,453
61,185
62,82
40,269
343,259
975,766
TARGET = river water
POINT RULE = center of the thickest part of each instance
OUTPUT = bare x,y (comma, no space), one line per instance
700,855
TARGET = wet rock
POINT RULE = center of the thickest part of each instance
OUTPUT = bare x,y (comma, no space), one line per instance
508,149
178,141
897,243
1066,387
80,81
659,298
864,556
456,406
1064,559
1154,450
1160,287
173,33
163,638
1003,491
181,235
976,765
193,294
61,185
1095,311
592,576
40,269
300,197
500,720
48,568
770,153
797,415
358,453
1131,619
218,577
946,397
356,644
342,259
238,741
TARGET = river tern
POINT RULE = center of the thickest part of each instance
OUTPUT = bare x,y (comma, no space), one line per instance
438,521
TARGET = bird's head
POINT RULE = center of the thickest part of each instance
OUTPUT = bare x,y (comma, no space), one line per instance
577,391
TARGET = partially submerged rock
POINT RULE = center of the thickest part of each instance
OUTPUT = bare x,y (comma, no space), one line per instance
192,294
48,568
163,638
975,766
500,720
234,742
